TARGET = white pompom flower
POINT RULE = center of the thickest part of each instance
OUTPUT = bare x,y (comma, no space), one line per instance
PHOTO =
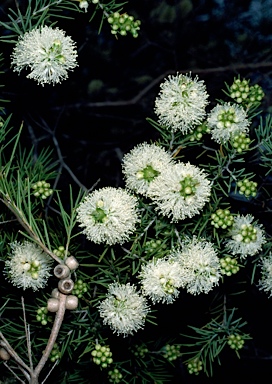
181,103
199,263
28,266
181,191
124,309
160,280
142,165
265,282
48,52
246,238
226,121
108,215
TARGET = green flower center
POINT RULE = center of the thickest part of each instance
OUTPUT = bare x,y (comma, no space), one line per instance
99,215
248,233
226,118
188,187
148,173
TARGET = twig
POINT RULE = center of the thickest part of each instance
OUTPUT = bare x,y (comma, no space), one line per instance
14,374
27,332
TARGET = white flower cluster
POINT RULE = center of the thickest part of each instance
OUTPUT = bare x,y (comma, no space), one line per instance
47,52
226,121
108,215
160,280
181,103
124,309
28,266
142,165
179,190
200,265
265,282
245,237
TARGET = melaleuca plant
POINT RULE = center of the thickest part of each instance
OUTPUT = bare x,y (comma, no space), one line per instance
90,273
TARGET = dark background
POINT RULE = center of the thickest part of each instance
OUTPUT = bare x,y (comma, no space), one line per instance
99,113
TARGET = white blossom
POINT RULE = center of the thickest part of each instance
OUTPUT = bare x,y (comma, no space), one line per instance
47,52
226,121
265,282
28,266
108,215
199,265
124,309
245,237
160,280
181,103
142,165
180,191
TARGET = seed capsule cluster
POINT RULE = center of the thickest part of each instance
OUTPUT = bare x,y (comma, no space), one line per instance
195,366
42,189
229,266
247,187
236,341
102,355
222,218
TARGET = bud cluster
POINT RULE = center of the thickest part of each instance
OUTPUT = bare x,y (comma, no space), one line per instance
60,251
240,142
247,187
42,189
140,351
235,341
42,315
123,24
80,288
102,355
154,245
222,218
115,376
198,132
242,92
239,90
171,352
55,353
229,266
195,366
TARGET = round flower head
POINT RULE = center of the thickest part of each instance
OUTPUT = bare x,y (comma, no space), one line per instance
108,215
28,266
47,52
181,191
246,239
142,165
124,310
227,121
160,280
265,282
199,265
181,103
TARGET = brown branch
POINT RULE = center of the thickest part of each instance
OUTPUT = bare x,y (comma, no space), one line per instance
121,103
